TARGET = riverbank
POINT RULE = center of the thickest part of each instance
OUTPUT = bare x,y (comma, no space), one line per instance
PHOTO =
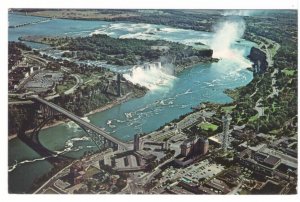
114,103
178,19
180,68
199,56
76,14
55,123
42,183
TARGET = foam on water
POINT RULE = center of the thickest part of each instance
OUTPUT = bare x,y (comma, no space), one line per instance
14,166
74,126
69,146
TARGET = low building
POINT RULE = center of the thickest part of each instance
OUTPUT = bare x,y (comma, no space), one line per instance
255,148
62,185
272,161
166,145
272,187
178,190
205,190
148,157
76,172
215,140
266,159
242,134
218,185
231,177
189,186
246,158
78,179
261,163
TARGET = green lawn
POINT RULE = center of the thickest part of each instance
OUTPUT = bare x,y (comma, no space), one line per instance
85,78
244,192
228,109
239,119
91,79
253,118
91,171
68,84
207,126
165,136
274,106
288,72
234,94
274,132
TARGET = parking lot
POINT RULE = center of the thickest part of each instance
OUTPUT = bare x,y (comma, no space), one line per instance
203,170
44,81
196,172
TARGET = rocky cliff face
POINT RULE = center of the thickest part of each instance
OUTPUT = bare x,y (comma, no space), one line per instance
259,59
200,56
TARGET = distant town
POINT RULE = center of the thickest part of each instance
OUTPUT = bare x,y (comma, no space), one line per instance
103,83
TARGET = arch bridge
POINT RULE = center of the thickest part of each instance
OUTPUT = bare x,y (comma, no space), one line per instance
48,111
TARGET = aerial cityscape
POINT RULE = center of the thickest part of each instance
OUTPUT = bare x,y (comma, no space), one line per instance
152,101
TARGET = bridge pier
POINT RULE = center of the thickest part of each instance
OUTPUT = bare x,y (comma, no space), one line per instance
45,112
101,142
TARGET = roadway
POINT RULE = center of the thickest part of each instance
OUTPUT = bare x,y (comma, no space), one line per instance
20,102
274,87
78,120
79,81
40,60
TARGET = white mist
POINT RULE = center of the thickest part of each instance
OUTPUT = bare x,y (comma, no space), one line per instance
151,76
227,33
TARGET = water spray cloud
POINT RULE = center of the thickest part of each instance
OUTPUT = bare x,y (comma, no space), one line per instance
227,33
239,12
151,76
245,12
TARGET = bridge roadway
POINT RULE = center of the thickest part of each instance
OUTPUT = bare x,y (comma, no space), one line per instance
86,124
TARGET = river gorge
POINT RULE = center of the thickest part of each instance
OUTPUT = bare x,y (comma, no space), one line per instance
163,103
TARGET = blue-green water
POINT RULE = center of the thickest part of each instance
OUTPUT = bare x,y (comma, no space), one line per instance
202,82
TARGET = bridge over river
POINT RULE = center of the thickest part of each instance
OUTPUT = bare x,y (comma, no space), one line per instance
88,127
48,110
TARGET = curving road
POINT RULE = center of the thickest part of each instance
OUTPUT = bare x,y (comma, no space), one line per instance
79,81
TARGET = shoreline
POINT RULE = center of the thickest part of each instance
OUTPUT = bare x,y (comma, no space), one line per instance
113,103
109,105
178,68
55,123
